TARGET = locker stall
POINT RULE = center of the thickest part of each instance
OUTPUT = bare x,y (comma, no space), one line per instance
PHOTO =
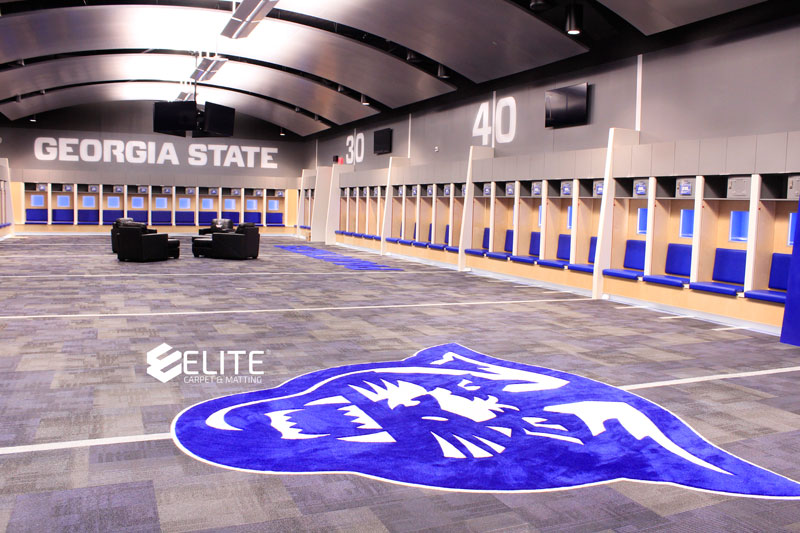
161,205
88,204
113,203
410,214
209,207
672,231
253,204
456,216
37,203
374,207
503,224
530,219
558,216
344,209
481,218
352,209
774,237
441,218
361,211
231,204
628,229
63,203
275,205
398,203
138,205
424,216
586,221
185,206
308,206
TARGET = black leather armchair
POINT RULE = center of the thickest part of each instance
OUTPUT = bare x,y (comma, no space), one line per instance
242,244
218,225
126,222
133,245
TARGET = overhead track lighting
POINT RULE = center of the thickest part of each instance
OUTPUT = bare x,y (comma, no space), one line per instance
207,67
364,100
32,119
283,133
411,57
246,17
340,89
442,72
538,5
574,18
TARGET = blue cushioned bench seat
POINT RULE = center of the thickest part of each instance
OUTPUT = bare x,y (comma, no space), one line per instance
392,239
35,215
508,247
778,281
339,232
453,249
376,237
439,247
677,266
406,242
728,275
485,244
588,267
419,244
633,264
562,253
533,251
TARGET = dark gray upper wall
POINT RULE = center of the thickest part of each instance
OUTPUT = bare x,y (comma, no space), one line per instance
716,88
446,133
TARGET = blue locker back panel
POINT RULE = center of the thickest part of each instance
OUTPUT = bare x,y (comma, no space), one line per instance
63,216
161,217
88,216
232,215
563,246
274,218
779,271
790,333
206,217
36,216
447,234
592,249
729,265
485,244
536,239
184,218
508,245
255,218
110,215
679,259
634,254
138,216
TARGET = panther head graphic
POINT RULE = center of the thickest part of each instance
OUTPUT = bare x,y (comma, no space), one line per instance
452,418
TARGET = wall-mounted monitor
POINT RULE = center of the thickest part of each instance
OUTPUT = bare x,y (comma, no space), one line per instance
640,188
566,106
67,187
174,118
143,189
166,190
510,187
213,190
536,188
597,189
218,120
258,192
684,187
41,187
94,188
566,188
236,192
279,193
447,190
414,190
190,190
119,189
382,141
487,190
428,191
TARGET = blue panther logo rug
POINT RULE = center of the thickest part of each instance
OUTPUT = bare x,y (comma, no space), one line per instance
451,418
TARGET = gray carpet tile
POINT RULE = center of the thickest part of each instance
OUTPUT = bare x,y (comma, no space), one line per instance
69,377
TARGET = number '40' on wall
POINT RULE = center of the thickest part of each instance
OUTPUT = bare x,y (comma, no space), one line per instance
504,120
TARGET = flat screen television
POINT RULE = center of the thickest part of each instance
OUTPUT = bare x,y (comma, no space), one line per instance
174,118
566,106
382,141
217,120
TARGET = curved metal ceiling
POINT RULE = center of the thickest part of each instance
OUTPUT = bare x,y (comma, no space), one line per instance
159,91
381,76
276,84
479,39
